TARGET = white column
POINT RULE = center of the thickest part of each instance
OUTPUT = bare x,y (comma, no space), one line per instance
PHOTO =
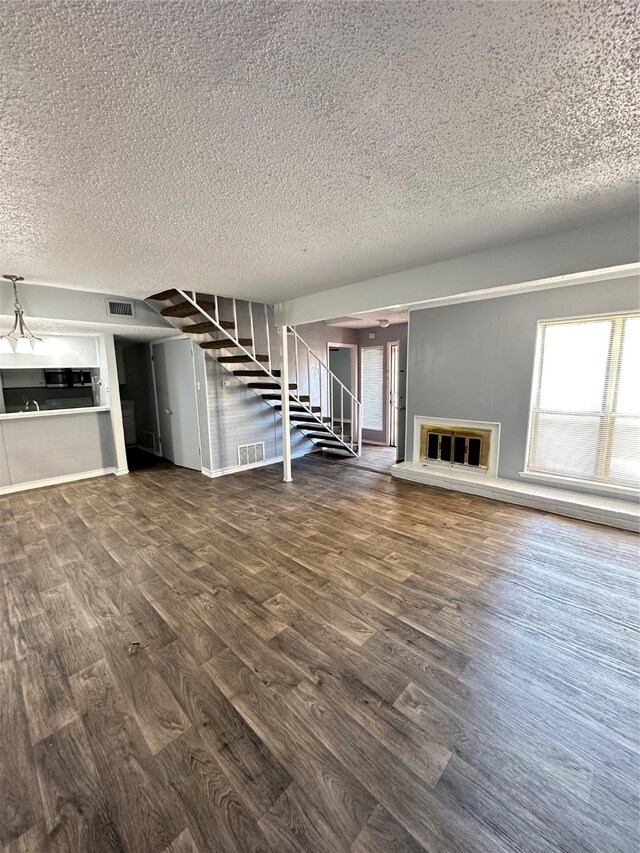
286,425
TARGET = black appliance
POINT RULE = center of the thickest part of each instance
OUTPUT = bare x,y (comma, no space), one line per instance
66,377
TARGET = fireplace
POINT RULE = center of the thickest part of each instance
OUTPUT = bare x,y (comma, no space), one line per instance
455,444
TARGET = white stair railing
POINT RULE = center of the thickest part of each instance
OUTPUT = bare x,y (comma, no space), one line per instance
321,383
317,383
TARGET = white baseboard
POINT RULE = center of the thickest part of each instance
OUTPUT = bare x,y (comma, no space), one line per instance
601,510
236,469
57,481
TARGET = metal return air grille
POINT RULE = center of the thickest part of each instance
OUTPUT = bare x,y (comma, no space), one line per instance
456,446
249,454
118,308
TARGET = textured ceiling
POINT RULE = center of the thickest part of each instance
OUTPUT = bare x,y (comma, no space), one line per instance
272,149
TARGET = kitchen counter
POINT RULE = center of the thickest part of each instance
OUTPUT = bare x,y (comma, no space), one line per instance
44,413
55,446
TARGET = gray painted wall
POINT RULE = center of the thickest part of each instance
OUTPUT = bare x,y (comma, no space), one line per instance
475,360
238,416
340,364
41,448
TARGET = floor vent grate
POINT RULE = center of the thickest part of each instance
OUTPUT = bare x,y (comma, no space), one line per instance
249,454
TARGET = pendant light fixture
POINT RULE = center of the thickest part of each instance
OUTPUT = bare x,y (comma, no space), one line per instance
19,339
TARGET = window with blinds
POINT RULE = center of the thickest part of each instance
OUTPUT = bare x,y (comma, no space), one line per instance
585,409
372,388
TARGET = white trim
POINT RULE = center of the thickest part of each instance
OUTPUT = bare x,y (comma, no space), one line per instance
56,481
108,362
592,485
155,393
594,508
237,469
354,363
79,410
390,405
620,271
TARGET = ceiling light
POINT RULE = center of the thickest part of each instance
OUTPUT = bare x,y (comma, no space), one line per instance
19,337
383,324
23,345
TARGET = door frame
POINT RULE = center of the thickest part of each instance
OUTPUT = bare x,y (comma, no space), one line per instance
167,340
354,363
385,385
391,385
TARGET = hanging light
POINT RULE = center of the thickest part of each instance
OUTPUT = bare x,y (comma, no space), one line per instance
19,338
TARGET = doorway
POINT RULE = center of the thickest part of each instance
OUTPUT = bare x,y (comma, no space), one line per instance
343,362
177,402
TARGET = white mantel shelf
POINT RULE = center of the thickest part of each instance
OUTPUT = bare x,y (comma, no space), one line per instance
47,413
601,510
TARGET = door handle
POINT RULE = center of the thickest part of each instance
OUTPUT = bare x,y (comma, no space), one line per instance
168,411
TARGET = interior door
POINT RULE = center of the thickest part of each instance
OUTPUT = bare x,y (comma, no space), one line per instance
177,402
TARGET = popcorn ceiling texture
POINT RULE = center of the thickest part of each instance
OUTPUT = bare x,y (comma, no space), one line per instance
272,149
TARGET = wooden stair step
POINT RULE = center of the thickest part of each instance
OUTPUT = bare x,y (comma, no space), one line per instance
304,398
186,309
164,295
207,328
339,447
238,359
225,343
267,384
295,407
322,436
255,373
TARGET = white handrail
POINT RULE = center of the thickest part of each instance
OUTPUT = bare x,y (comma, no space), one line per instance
355,405
288,393
219,328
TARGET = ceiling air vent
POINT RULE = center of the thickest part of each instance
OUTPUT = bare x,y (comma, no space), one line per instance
120,308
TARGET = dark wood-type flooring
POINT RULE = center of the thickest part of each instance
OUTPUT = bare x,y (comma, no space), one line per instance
344,663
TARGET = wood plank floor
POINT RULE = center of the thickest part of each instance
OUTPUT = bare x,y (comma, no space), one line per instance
344,663
374,457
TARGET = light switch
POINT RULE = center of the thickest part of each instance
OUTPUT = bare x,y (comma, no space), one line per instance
226,383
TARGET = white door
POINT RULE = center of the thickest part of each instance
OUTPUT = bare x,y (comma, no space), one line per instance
373,396
177,402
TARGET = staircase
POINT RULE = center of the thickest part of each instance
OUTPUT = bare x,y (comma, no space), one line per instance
242,337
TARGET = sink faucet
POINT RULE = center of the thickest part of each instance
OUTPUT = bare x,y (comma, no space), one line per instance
35,403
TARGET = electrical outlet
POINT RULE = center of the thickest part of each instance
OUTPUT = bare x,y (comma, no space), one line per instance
372,336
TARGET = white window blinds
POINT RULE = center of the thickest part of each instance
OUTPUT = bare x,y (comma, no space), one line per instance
372,388
585,411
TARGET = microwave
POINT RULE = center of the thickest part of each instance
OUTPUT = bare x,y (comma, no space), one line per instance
66,377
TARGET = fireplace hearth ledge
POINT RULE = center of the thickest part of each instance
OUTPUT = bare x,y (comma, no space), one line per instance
600,510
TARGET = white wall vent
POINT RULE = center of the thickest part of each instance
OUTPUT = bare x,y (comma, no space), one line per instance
249,454
120,308
149,440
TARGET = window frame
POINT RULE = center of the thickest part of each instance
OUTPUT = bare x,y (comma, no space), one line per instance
607,414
